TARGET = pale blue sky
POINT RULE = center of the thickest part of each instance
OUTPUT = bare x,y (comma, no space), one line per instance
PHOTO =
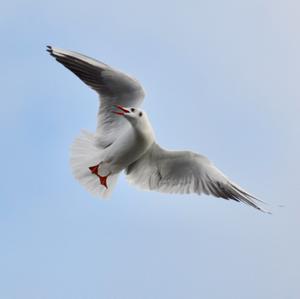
222,79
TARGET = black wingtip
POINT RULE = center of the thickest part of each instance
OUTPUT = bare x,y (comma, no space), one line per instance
49,49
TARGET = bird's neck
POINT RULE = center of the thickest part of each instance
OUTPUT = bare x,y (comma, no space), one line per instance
145,132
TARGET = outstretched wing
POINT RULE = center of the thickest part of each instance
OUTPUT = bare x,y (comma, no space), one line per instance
184,172
113,87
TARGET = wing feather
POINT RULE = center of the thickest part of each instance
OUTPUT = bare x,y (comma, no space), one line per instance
184,172
113,87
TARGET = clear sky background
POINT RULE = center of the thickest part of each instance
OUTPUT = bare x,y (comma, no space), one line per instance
222,79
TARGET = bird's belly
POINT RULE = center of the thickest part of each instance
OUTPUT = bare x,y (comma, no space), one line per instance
124,152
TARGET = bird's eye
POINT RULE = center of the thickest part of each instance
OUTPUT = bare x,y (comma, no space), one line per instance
132,109
140,114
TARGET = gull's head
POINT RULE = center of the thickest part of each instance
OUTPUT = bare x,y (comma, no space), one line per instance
134,115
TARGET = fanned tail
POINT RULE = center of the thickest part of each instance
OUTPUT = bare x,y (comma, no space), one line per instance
84,154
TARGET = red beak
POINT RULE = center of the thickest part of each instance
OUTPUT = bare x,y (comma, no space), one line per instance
121,108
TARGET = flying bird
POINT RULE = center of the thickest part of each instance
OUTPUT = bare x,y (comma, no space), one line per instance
124,140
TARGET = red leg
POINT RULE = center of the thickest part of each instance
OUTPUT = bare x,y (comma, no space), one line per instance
103,179
94,169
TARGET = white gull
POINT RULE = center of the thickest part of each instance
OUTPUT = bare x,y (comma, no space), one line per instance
124,140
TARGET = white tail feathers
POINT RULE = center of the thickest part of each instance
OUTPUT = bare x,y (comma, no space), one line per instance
84,154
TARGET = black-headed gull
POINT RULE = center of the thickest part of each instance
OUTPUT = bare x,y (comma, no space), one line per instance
124,140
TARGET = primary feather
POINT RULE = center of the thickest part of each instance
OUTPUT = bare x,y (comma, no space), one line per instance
113,87
184,172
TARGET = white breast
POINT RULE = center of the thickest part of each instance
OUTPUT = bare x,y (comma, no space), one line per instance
127,149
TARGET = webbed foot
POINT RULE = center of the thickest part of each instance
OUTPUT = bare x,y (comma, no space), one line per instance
103,179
